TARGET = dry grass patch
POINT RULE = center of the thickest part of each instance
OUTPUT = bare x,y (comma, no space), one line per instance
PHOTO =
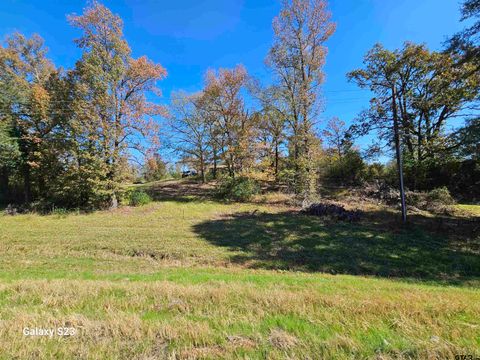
171,280
339,317
282,340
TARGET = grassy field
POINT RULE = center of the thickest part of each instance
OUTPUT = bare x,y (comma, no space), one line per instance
473,209
186,277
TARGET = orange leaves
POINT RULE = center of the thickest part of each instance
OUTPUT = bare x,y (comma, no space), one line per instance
223,102
152,163
222,90
24,60
156,110
115,86
226,78
141,76
97,17
145,69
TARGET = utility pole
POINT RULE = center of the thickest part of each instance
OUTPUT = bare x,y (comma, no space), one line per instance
399,154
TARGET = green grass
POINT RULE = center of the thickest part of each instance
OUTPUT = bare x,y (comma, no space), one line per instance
189,278
472,209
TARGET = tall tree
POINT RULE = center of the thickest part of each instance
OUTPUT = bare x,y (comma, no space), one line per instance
272,132
28,82
430,90
223,102
297,57
110,94
191,131
337,136
272,123
468,140
155,168
9,158
466,43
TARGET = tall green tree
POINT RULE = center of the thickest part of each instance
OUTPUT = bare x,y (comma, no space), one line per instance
27,102
9,158
223,104
113,114
430,90
466,43
297,58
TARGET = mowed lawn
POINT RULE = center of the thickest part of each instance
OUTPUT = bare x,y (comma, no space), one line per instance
187,278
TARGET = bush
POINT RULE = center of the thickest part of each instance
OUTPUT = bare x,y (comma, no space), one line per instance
346,170
239,188
436,200
417,199
440,196
374,171
138,198
62,212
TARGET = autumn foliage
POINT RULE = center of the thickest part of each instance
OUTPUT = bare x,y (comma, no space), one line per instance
76,129
72,138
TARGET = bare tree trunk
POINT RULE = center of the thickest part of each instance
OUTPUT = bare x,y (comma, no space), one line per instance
111,176
276,159
231,166
419,156
41,184
202,168
399,155
113,201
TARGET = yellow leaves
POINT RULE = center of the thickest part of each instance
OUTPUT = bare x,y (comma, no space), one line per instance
40,100
152,164
23,62
100,26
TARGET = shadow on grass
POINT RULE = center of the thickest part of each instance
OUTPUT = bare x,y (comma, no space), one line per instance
377,245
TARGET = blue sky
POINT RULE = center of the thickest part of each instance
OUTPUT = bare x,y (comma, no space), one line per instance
189,36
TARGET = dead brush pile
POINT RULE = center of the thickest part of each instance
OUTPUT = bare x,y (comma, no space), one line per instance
333,211
436,201
379,191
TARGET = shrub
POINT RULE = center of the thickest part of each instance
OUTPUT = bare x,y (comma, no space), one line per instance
436,200
347,170
138,198
240,188
417,199
440,196
62,212
374,171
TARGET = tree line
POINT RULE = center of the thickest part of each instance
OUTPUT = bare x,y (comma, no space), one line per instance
68,137
279,136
